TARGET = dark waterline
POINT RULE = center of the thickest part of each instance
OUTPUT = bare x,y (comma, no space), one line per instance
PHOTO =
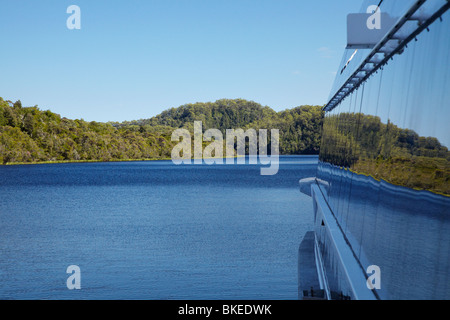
152,230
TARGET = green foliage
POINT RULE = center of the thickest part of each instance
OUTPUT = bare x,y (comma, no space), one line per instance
300,129
17,146
400,156
222,114
28,134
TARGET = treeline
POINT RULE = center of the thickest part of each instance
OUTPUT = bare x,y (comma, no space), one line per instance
300,127
29,135
222,114
399,156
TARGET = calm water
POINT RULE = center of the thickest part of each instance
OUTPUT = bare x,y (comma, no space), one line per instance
152,230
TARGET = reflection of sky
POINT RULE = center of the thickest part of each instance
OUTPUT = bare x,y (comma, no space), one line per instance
412,90
394,9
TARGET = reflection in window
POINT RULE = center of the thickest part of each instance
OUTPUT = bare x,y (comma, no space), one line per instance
384,169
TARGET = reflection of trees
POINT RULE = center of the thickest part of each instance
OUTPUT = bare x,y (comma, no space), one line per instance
400,156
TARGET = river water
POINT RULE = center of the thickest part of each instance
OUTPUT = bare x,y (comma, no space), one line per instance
153,230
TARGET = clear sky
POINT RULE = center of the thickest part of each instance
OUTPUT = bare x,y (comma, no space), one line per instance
133,59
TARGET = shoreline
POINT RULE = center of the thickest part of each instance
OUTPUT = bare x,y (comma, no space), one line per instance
80,161
123,160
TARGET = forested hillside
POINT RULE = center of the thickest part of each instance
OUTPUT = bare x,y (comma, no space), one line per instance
386,151
28,134
222,114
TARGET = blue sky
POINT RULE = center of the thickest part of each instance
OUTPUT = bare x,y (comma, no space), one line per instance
134,59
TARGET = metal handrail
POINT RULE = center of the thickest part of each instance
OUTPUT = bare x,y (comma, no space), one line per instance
356,79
